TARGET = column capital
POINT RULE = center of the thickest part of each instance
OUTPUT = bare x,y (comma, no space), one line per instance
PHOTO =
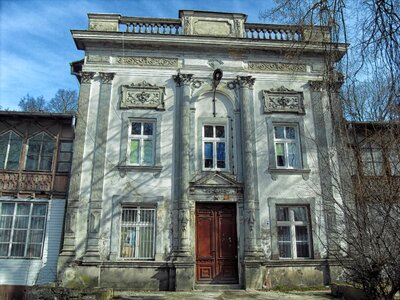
86,77
182,79
316,85
245,81
106,78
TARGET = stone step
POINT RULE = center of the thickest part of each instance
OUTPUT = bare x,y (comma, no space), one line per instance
216,287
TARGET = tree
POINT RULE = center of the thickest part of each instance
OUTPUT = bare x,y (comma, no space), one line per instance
372,27
361,195
31,104
365,240
64,101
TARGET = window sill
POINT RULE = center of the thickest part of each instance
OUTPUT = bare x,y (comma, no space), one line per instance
123,169
277,171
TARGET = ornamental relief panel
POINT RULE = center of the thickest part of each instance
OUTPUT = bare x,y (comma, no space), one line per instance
283,100
142,95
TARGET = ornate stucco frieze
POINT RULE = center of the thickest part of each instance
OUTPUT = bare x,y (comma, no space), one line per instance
245,81
182,79
142,95
106,78
274,67
145,61
283,100
86,77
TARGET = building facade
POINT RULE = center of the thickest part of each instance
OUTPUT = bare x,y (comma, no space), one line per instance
197,154
35,160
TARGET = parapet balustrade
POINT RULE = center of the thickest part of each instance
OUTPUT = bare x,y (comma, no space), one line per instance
250,31
174,27
150,25
272,32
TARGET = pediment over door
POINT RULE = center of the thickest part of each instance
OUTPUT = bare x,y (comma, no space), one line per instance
218,186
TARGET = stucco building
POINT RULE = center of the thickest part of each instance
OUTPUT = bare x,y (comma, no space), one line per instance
35,160
184,176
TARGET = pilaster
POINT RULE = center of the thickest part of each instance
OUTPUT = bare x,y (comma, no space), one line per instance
318,92
70,230
183,82
99,158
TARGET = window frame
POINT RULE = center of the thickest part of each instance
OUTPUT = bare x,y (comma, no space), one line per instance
7,153
214,140
122,138
310,202
286,141
40,155
292,224
141,137
138,224
29,229
291,120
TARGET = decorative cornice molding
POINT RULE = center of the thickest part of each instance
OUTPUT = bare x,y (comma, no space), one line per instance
106,78
276,67
144,61
283,100
245,81
183,79
142,95
86,77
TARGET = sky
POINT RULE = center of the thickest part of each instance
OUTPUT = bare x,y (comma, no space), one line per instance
36,45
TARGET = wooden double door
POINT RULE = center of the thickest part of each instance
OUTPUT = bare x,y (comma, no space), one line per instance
216,243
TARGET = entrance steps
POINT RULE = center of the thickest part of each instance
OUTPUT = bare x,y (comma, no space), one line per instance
216,287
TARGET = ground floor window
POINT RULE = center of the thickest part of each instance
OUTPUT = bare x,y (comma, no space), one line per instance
293,228
22,229
137,233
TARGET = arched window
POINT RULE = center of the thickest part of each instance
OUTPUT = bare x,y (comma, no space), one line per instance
40,153
10,150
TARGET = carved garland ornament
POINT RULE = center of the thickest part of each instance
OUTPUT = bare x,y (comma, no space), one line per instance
283,100
142,95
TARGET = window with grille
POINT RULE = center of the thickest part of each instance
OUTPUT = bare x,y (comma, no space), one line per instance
141,143
137,233
215,147
10,150
40,153
293,228
286,145
22,229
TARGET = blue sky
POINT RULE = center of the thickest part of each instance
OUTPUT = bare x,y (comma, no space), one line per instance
36,46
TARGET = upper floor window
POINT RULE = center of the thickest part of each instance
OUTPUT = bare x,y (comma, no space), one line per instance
65,156
141,143
22,229
137,233
287,148
40,153
294,231
10,150
372,158
215,147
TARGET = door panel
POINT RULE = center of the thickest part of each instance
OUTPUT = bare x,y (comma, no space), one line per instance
216,243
